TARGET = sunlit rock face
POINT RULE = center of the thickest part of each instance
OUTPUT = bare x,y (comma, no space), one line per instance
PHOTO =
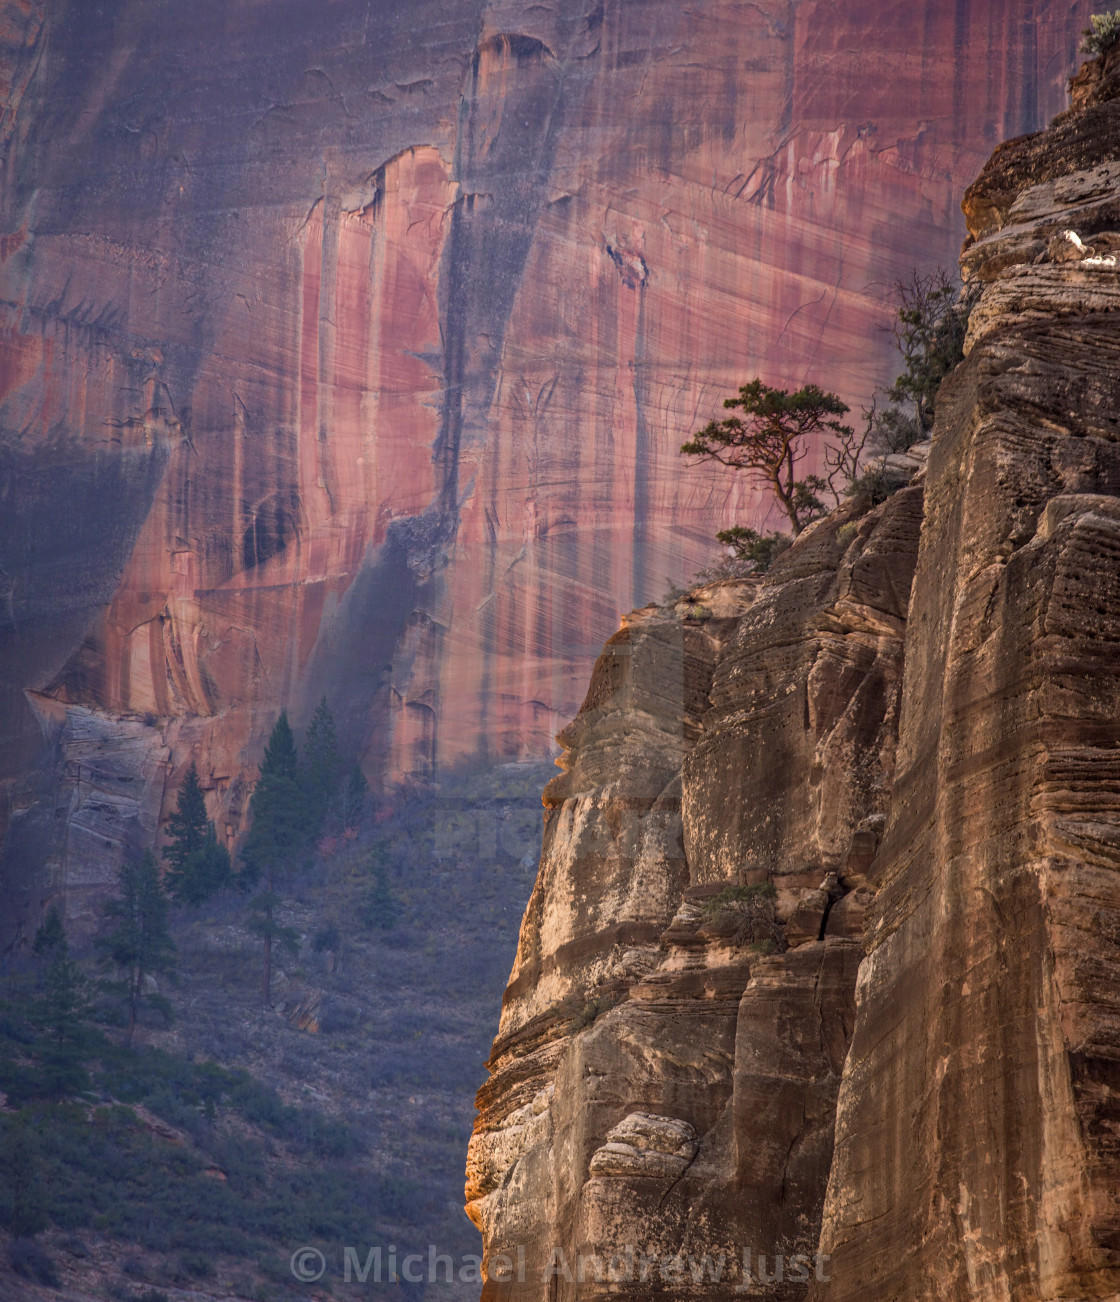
350,353
976,1150
663,1083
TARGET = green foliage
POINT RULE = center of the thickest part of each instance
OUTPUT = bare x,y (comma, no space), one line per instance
105,1170
353,798
772,436
326,937
198,864
137,943
262,922
592,1010
61,1015
278,833
847,532
876,484
750,912
323,766
51,935
382,906
759,549
278,810
1102,35
28,1259
930,326
23,1191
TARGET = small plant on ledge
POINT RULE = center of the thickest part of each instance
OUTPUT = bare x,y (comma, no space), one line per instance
1102,35
750,909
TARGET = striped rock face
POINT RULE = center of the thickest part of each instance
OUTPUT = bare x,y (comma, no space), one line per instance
831,880
351,354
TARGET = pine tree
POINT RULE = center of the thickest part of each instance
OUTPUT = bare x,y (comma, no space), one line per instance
354,797
138,945
60,1015
198,864
323,766
278,832
775,432
382,905
51,934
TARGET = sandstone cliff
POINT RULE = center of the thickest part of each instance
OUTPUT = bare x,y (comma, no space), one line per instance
917,1095
353,355
744,735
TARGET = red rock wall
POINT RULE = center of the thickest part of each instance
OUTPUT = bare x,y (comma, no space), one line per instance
352,356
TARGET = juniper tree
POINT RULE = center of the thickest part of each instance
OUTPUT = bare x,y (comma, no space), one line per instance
772,437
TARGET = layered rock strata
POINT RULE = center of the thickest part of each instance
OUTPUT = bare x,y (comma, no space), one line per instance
351,352
937,1034
977,1152
665,1074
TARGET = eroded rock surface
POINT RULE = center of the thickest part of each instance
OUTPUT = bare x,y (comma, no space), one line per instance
926,774
350,352
664,1081
976,1138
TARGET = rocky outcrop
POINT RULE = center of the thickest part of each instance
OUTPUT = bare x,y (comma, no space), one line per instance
664,1080
926,777
976,1150
352,355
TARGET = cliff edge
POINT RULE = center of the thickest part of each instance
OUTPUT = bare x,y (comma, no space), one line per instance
818,993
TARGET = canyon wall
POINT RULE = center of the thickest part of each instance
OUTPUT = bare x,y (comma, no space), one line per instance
665,1075
350,355
818,994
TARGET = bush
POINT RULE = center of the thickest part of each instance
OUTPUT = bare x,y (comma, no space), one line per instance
1102,35
750,909
593,1009
759,549
29,1260
877,484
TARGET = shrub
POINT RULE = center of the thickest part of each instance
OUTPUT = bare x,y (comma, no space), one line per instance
761,550
751,911
593,1009
847,532
30,1261
877,484
1102,35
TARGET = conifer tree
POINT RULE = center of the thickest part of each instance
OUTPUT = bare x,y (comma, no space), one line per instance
322,766
198,864
773,436
276,835
138,944
354,797
51,934
382,905
60,1014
